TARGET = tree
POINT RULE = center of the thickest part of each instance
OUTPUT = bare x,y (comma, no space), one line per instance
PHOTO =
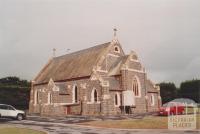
15,91
168,92
190,89
14,81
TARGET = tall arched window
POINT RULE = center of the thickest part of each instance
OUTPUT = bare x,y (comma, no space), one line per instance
117,100
49,98
75,94
36,97
152,100
94,95
136,86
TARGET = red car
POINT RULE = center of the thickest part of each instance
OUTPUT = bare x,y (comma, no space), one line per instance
172,108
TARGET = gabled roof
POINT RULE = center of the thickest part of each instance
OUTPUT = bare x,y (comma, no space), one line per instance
73,65
150,86
115,68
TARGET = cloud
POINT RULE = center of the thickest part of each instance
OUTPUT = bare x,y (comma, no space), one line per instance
193,69
165,34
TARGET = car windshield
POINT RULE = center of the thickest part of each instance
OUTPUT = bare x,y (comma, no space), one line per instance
10,108
7,107
172,104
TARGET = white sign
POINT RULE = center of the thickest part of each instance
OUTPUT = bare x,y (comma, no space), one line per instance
182,122
128,98
185,121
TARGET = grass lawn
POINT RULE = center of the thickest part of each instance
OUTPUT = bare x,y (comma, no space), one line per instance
151,122
14,130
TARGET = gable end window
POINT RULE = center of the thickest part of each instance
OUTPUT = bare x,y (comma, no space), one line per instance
116,49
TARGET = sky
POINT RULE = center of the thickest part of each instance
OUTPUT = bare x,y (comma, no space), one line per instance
164,33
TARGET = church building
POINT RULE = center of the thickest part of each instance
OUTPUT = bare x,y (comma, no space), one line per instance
100,80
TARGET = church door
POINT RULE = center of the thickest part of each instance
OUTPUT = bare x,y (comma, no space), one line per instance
67,110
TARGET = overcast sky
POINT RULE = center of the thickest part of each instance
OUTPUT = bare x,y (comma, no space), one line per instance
164,33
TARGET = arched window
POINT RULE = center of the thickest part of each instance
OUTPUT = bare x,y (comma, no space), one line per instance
136,86
49,98
75,94
152,100
36,97
94,95
117,100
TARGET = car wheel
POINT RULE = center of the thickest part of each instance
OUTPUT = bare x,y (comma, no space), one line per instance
19,117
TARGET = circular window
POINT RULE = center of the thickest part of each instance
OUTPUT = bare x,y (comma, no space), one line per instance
117,49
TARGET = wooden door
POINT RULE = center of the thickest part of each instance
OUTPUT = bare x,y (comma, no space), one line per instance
68,110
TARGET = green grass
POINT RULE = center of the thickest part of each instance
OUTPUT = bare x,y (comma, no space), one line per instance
146,123
149,122
14,130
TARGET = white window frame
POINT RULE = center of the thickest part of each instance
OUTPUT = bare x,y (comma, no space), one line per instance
36,97
92,96
152,100
49,98
73,94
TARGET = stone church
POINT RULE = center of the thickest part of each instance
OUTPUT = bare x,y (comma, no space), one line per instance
101,80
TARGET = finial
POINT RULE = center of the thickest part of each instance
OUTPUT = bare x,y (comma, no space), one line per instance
115,40
115,32
68,50
54,52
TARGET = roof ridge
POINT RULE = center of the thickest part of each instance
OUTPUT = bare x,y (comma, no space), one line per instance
65,66
82,50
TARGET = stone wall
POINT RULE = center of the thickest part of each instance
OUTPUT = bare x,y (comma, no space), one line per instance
62,104
135,65
83,106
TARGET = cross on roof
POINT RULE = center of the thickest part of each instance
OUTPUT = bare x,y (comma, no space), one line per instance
54,52
115,32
